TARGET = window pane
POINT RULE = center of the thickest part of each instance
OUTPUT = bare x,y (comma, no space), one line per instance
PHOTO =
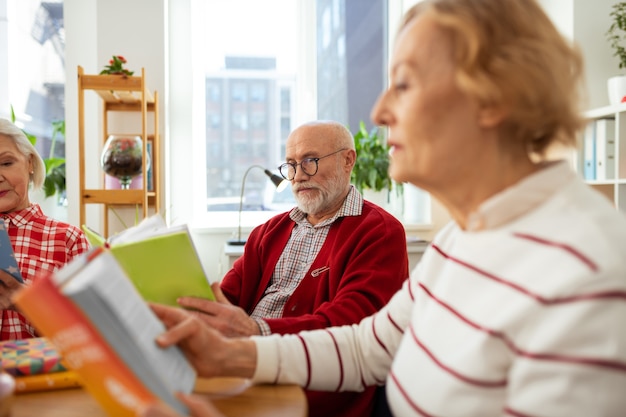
32,78
258,85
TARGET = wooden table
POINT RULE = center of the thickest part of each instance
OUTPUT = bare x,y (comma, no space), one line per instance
234,397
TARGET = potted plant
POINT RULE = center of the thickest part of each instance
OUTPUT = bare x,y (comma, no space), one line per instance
371,169
616,35
54,182
55,166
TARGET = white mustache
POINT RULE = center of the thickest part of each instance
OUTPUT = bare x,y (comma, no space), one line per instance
301,186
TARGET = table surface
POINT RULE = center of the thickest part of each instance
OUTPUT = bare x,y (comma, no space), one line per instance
232,396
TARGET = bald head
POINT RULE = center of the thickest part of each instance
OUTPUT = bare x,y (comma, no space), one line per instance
323,132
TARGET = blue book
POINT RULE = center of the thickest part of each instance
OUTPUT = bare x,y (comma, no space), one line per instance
8,263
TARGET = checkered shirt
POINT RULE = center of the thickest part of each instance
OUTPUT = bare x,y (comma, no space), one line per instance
303,246
40,244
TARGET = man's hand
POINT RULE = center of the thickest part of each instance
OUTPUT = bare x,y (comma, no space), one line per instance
230,320
198,407
8,287
208,351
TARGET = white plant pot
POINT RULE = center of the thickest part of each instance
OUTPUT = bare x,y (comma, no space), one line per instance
617,89
389,200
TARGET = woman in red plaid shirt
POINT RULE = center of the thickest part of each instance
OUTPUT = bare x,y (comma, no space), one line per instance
40,243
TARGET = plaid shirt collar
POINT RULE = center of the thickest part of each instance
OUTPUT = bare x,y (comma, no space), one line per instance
24,216
352,206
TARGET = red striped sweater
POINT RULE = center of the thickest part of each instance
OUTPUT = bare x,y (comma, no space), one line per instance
526,317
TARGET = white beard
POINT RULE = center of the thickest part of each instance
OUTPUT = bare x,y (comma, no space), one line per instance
324,197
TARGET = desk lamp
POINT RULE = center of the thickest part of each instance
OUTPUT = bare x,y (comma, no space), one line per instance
277,180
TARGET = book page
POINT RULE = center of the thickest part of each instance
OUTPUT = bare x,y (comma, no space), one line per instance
105,277
147,227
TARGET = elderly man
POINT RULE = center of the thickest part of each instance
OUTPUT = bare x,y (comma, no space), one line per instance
332,260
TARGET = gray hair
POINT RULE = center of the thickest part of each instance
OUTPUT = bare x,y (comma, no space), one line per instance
8,129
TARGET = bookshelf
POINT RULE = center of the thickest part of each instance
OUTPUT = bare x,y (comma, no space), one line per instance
128,95
602,152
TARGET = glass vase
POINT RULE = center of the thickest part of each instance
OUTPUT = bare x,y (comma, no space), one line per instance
122,158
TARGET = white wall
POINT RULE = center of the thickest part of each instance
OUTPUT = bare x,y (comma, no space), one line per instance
141,30
586,22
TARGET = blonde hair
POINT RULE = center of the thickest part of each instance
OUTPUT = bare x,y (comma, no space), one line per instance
510,55
8,129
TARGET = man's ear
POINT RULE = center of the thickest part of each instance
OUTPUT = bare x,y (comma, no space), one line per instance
491,115
350,159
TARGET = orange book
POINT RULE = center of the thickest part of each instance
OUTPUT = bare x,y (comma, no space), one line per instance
47,382
91,312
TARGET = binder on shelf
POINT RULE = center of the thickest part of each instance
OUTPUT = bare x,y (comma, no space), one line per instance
605,149
589,152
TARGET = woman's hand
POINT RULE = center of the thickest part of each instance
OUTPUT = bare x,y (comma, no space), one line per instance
208,351
198,407
8,287
230,320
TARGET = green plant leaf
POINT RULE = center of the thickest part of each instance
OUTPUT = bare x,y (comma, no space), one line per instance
53,163
616,34
371,169
54,182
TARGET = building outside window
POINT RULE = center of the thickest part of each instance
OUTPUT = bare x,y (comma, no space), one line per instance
32,67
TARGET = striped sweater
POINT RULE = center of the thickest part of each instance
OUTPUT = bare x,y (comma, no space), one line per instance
526,317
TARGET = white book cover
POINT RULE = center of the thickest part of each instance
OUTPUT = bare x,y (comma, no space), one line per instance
589,152
605,149
106,296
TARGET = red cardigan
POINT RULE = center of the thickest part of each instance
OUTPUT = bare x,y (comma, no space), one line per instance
364,262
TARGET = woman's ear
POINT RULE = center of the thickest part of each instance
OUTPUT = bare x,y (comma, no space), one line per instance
490,115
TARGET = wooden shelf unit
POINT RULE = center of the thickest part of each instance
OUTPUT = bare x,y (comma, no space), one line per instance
120,94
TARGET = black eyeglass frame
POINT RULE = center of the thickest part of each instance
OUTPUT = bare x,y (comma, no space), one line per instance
293,165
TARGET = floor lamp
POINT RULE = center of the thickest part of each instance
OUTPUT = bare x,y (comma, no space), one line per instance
277,180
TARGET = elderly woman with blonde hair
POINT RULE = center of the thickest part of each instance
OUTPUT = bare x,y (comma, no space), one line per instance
41,244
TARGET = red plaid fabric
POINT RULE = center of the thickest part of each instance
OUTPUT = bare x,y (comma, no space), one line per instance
40,244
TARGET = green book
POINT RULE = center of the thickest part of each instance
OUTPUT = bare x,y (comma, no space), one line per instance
162,262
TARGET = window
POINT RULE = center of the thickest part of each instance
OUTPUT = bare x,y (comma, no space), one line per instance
32,67
270,66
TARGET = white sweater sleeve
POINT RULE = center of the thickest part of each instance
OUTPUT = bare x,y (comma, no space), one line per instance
337,358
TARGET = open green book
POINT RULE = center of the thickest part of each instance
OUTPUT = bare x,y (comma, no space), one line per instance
162,262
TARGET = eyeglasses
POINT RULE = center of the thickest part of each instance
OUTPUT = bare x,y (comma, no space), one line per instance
308,165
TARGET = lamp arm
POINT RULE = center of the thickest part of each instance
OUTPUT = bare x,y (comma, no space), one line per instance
243,185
